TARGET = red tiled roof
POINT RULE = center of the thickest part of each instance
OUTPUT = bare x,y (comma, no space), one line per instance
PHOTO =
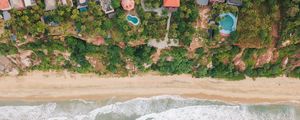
4,4
171,3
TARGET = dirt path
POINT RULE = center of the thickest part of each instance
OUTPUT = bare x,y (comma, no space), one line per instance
204,16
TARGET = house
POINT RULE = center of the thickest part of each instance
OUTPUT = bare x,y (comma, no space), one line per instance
50,5
106,6
66,2
202,2
235,2
17,4
4,5
214,1
128,4
82,5
29,3
172,4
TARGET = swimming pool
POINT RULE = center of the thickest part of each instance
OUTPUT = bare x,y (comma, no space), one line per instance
133,19
227,23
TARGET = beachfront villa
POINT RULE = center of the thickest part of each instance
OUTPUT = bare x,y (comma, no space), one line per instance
227,24
128,4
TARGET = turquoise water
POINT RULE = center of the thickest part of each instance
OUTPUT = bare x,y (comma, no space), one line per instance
227,22
153,108
133,19
83,9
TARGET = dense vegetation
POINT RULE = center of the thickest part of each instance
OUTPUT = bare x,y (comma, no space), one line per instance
291,22
215,58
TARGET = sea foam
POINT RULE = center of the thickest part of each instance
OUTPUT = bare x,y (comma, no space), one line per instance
141,106
40,112
213,112
154,108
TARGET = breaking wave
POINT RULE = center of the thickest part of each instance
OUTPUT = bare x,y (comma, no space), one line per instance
153,108
212,112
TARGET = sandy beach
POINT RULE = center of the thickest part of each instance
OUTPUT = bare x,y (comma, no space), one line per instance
55,86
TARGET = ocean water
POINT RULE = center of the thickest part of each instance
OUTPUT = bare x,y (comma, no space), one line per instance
164,107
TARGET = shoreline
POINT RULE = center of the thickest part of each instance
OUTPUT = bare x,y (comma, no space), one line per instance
40,86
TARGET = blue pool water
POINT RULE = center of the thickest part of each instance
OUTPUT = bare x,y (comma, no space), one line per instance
133,19
227,23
